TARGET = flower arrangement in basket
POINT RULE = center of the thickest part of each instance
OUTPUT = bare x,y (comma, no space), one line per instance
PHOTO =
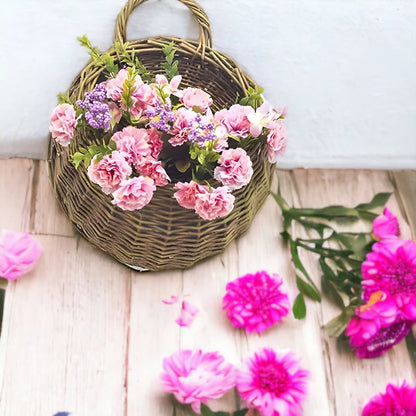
162,151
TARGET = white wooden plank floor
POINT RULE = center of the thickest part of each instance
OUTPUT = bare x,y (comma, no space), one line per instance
85,334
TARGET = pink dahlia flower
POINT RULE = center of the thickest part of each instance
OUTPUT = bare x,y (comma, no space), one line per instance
396,401
194,377
63,123
235,119
255,301
276,140
19,253
273,383
235,168
132,142
195,97
134,193
147,166
386,225
186,193
110,171
216,204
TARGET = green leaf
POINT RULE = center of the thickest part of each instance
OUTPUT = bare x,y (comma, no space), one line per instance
64,98
299,307
241,412
338,325
112,145
379,200
206,411
307,289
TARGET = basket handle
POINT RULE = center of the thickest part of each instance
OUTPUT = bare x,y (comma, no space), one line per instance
205,37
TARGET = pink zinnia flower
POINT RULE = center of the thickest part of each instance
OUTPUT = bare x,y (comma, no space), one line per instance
235,119
187,314
186,193
215,204
132,142
386,225
147,166
396,401
109,171
195,97
19,253
276,140
273,383
235,168
134,193
194,377
255,301
63,123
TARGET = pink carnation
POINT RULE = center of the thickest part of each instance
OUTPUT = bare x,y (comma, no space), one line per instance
132,142
396,401
215,204
19,253
386,225
235,119
134,193
181,125
63,123
256,301
186,193
152,168
143,97
154,141
273,383
114,86
276,140
110,171
234,168
195,97
194,377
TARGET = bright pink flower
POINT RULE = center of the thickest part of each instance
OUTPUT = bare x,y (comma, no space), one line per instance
235,119
155,142
235,168
186,193
187,314
132,142
273,383
63,123
147,166
19,253
144,96
114,86
215,204
256,301
386,225
180,129
194,377
276,140
110,171
134,193
396,401
195,97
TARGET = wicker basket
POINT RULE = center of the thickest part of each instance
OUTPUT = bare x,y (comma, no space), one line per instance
162,235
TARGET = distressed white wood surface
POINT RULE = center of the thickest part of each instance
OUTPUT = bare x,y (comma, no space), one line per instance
84,334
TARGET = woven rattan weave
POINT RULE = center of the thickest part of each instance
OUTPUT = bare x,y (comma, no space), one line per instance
162,235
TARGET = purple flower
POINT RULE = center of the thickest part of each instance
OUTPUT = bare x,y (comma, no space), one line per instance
161,115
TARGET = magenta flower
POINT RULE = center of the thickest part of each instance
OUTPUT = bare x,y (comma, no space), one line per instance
19,253
256,301
63,123
194,377
273,383
134,193
396,401
386,225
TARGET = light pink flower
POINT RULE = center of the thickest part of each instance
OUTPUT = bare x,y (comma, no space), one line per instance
195,97
235,168
155,142
386,225
115,113
221,135
19,253
262,116
186,193
181,125
133,142
134,193
396,401
144,96
147,166
235,119
273,383
169,87
114,86
194,377
187,314
110,171
215,204
276,140
256,301
63,123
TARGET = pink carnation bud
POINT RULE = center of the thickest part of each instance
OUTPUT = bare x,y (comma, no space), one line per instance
63,123
386,225
134,193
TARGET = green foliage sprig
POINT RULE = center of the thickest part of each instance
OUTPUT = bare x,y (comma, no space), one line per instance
340,254
170,66
206,157
86,155
253,98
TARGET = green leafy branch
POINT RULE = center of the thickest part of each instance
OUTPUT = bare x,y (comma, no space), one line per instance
206,157
85,156
170,66
254,97
340,254
63,98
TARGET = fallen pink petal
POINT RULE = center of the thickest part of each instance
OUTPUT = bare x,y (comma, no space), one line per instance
171,301
187,314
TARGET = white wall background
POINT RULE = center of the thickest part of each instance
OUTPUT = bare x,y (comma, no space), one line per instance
345,68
